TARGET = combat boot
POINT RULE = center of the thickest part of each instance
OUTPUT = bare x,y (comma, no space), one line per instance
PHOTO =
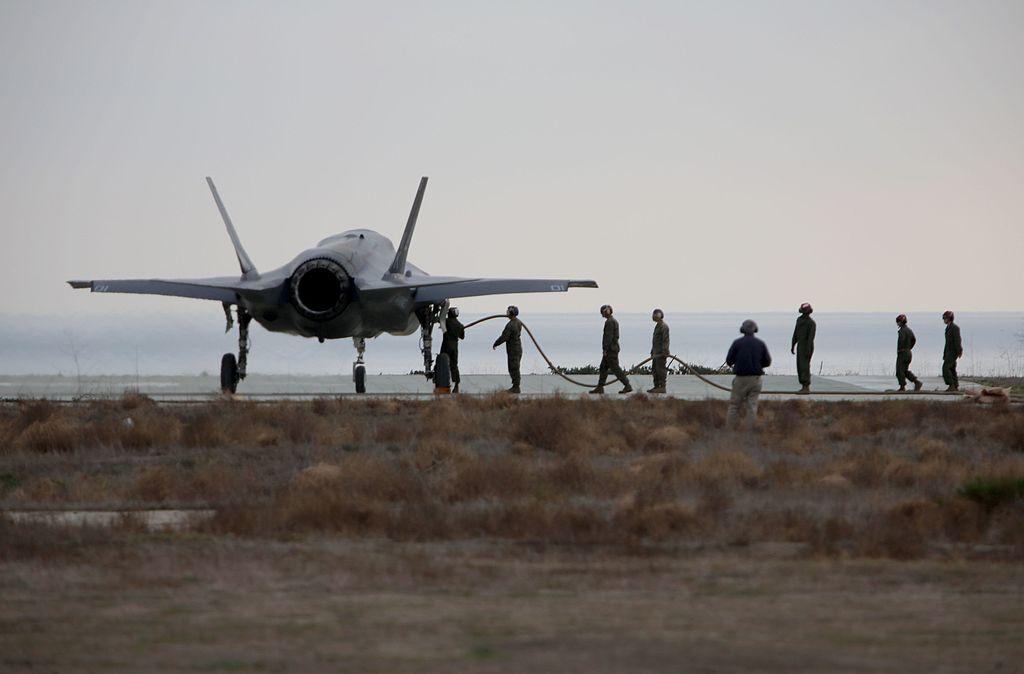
455,389
901,389
597,390
626,389
656,389
918,385
804,390
952,388
515,390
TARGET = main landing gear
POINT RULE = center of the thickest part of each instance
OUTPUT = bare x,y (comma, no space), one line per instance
232,369
359,367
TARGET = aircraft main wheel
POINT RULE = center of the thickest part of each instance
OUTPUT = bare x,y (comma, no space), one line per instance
228,373
442,372
360,377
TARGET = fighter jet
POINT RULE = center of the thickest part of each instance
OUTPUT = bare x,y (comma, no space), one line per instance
354,284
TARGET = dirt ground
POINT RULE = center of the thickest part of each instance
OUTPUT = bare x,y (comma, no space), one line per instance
173,603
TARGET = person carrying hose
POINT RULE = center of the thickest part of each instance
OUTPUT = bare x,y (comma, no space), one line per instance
610,353
659,352
953,350
748,356
905,341
454,330
803,346
511,337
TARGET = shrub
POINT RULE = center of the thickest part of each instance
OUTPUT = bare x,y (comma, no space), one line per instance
992,492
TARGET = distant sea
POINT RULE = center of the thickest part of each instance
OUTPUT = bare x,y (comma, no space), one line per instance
192,343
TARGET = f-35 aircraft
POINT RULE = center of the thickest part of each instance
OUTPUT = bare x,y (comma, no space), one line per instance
354,284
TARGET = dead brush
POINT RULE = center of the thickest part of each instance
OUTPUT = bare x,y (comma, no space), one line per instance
704,414
786,418
790,526
146,428
801,441
667,438
55,433
297,423
726,467
552,424
219,483
864,467
1008,430
903,531
203,428
658,522
156,484
501,477
32,412
42,490
788,473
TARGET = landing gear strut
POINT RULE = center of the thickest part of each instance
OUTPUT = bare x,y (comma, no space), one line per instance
358,367
232,369
441,374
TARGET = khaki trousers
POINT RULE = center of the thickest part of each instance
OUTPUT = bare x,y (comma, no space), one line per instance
745,392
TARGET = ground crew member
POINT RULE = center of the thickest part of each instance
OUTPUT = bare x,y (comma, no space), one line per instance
511,337
659,352
954,349
803,346
905,341
748,356
610,353
453,332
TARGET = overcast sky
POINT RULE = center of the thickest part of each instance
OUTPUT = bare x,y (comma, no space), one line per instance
739,156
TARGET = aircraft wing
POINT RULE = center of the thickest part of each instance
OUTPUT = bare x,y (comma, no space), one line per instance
224,289
437,289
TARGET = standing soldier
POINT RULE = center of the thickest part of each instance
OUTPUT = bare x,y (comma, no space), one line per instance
659,352
748,357
803,346
511,337
905,342
610,353
954,349
453,332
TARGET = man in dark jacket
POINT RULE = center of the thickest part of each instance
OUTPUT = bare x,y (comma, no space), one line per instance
453,332
748,356
511,337
953,350
659,352
610,353
905,341
803,346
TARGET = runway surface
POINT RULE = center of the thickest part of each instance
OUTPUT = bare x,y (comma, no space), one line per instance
274,387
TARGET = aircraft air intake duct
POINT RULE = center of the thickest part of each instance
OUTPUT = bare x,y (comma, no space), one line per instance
320,289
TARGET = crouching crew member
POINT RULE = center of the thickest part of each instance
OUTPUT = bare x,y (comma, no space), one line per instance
659,352
610,353
803,346
905,341
511,337
748,356
453,332
953,350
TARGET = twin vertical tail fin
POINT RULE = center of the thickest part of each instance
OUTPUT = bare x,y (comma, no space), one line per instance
398,265
244,262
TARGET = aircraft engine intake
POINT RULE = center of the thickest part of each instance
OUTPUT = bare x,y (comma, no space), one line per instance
320,288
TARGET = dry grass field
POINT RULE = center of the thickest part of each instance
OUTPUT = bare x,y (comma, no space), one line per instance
496,534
